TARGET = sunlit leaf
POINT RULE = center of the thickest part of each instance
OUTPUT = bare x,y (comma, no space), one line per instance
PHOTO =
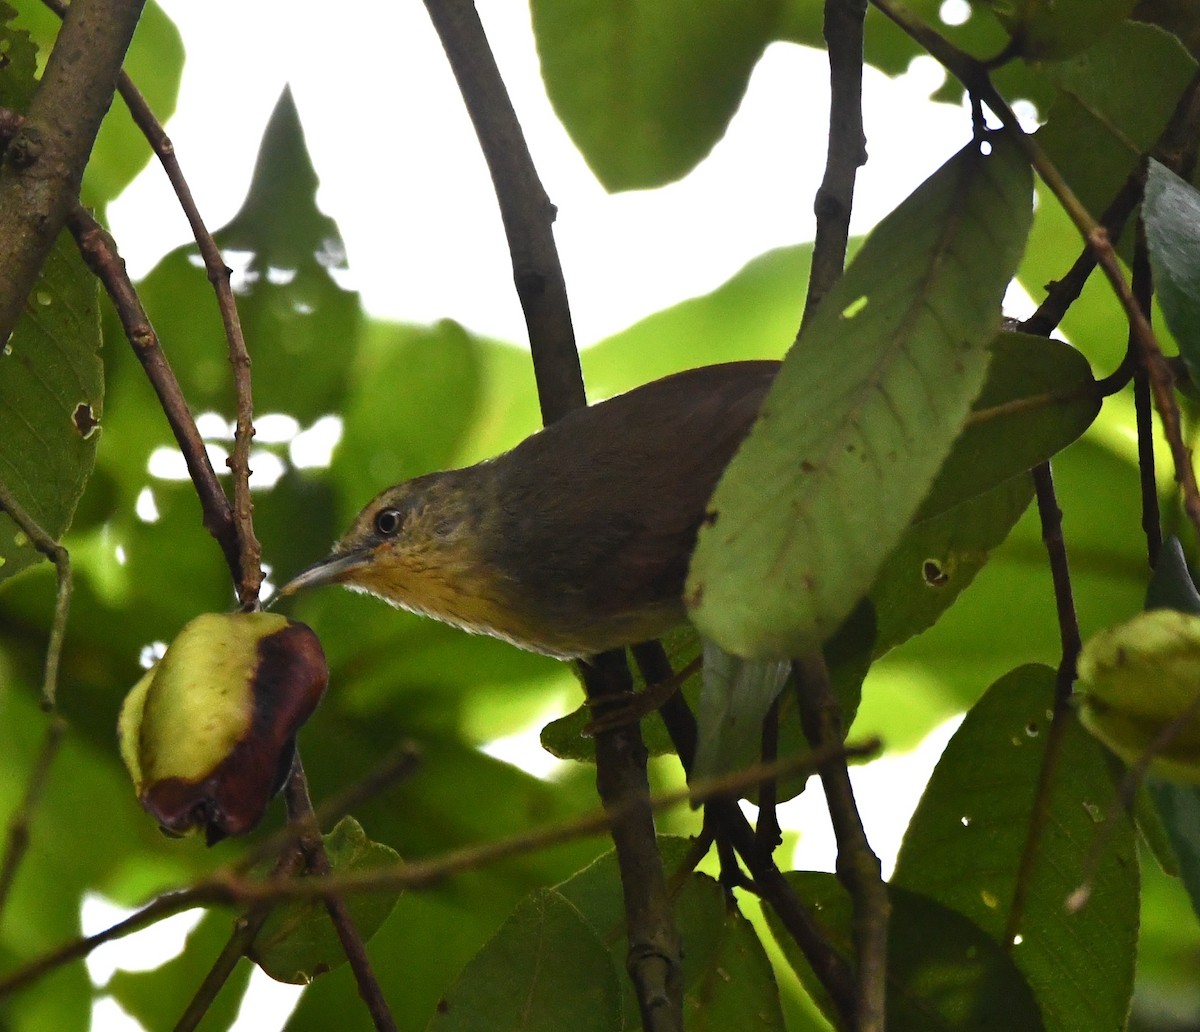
1043,31
646,88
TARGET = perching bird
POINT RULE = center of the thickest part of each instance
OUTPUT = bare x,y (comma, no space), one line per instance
578,539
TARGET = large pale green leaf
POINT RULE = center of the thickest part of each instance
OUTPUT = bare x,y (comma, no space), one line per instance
298,941
646,87
944,973
863,413
1171,214
544,971
965,842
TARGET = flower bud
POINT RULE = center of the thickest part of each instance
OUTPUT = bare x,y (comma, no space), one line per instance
1137,678
208,734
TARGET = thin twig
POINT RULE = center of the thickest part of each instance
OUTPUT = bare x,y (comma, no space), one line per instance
58,555
300,811
43,165
17,841
227,886
99,250
248,569
1068,625
847,148
858,867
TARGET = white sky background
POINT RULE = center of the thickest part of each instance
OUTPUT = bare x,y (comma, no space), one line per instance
401,173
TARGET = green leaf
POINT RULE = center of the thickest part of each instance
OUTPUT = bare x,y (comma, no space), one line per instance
1038,397
863,413
1179,808
298,941
51,402
646,88
1109,112
944,973
965,841
727,977
1171,215
301,328
1171,585
51,379
1047,31
544,970
938,558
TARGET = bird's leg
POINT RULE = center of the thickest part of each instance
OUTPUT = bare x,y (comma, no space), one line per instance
640,704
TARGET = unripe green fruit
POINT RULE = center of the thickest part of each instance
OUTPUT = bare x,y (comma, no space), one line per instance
208,733
1139,677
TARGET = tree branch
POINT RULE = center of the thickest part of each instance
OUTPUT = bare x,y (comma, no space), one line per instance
847,149
858,867
525,209
43,166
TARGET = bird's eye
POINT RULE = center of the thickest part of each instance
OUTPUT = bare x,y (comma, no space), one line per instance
388,522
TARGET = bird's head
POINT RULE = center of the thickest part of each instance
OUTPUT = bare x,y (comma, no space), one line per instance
416,545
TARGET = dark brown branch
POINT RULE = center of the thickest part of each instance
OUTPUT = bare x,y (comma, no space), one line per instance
847,150
55,552
858,867
99,250
43,165
247,573
654,961
729,821
17,841
526,211
1142,284
1068,626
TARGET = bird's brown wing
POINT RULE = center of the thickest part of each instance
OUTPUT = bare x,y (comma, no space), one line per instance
613,495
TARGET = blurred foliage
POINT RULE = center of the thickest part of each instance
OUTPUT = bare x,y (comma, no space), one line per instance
963,602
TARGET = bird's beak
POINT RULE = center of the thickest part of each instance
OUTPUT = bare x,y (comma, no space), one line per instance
333,569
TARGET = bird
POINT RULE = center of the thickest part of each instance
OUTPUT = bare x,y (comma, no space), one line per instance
574,542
